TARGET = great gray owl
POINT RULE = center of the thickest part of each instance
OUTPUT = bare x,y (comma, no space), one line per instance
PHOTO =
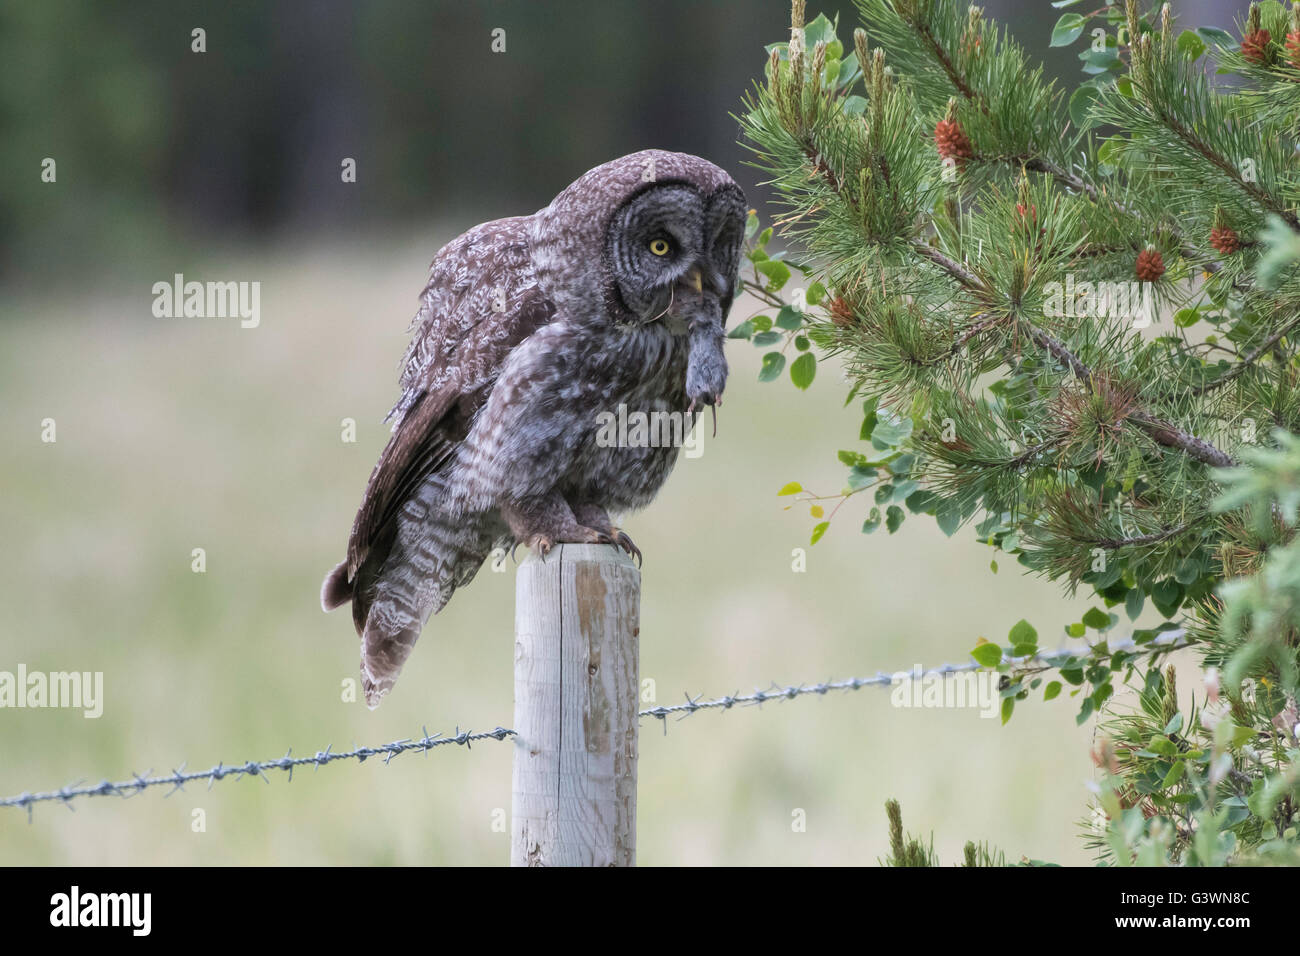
530,328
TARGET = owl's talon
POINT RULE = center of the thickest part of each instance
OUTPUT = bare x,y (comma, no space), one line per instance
539,544
624,541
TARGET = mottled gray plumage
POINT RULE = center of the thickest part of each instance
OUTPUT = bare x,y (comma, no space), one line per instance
530,328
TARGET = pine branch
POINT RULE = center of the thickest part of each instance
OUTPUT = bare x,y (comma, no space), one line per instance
1136,540
1162,432
1068,179
1225,166
1249,360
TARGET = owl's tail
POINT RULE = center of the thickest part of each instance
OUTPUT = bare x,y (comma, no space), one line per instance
387,626
401,583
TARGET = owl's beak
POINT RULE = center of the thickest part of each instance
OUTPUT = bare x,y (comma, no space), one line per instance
696,279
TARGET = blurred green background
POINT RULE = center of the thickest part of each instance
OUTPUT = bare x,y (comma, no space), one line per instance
175,434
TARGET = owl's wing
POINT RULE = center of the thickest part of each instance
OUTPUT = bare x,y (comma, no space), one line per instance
481,301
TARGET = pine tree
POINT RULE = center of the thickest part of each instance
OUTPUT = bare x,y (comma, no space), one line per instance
1072,324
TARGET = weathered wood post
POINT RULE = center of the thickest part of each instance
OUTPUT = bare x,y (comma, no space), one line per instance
577,674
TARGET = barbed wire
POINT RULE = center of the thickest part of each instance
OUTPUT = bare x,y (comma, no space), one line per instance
1170,640
1166,641
252,768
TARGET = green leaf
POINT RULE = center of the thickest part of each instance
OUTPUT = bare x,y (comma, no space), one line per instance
815,294
1162,745
853,459
1008,705
949,516
743,331
1081,105
1067,29
789,318
819,30
1097,619
777,273
902,465
1133,603
803,370
1174,775
1099,61
1167,595
1175,724
987,654
1216,36
793,488
1077,629
1109,150
887,434
860,477
872,522
1051,691
904,489
894,516
920,501
1023,633
818,531
762,323
869,420
1059,4
1190,45
773,365
854,105
1187,572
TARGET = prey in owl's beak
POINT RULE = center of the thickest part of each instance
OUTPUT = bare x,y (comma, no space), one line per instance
696,311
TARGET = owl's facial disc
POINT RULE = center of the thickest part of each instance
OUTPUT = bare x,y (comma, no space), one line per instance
654,242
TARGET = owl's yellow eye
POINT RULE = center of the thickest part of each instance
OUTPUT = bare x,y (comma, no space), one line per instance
659,247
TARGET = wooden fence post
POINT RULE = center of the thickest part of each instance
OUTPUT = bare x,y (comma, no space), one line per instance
577,677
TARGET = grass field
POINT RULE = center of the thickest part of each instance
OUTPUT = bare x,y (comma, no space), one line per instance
176,434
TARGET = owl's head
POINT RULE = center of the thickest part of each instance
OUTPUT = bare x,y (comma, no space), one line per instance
647,237
673,252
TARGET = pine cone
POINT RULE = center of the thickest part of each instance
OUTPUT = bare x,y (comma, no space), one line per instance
1255,46
1224,240
1031,213
1293,48
952,141
1150,266
841,312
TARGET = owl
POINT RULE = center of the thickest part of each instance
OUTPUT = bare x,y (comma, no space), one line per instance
530,332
